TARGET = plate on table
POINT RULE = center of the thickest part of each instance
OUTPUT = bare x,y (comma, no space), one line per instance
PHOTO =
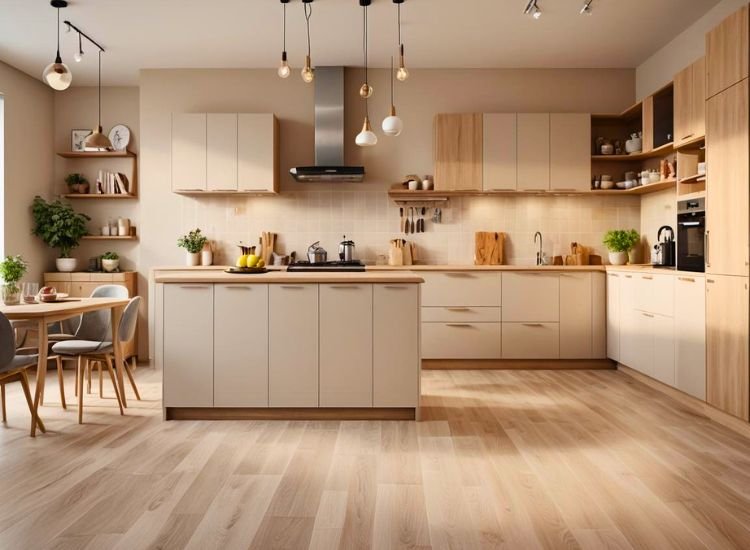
60,297
246,270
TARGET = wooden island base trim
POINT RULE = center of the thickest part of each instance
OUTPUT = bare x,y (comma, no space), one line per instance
241,413
517,364
699,407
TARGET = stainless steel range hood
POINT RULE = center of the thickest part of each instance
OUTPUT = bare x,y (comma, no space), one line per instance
329,132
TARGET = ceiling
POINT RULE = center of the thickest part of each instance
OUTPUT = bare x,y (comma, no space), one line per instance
247,34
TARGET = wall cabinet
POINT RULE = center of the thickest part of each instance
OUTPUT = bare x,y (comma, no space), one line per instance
690,103
727,190
727,344
500,168
570,151
727,52
240,362
690,331
458,152
188,332
533,142
257,153
346,345
189,151
221,152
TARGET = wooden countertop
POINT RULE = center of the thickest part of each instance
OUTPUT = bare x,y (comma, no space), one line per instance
648,268
469,267
283,277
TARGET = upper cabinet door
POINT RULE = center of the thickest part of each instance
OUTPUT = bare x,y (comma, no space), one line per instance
499,152
698,97
690,103
257,153
727,173
458,152
727,52
570,152
533,140
221,152
189,151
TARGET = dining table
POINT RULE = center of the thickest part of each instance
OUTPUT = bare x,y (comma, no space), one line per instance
42,314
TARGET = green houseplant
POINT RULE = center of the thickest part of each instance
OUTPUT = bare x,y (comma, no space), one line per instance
59,226
110,261
619,242
77,183
193,243
12,269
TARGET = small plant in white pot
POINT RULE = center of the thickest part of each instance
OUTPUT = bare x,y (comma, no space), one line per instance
110,262
12,269
619,242
193,243
59,226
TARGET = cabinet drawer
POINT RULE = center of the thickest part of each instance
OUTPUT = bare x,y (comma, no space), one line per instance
461,288
654,293
461,341
460,314
531,340
531,297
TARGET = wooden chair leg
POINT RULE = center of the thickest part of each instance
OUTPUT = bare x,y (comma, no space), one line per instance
114,384
41,395
88,375
101,380
76,384
30,403
61,381
132,380
2,401
79,368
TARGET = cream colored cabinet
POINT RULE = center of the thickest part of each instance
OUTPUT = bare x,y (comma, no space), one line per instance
727,190
690,103
576,316
727,52
570,151
240,365
727,366
533,154
257,153
188,151
531,297
395,355
346,345
461,340
221,152
188,345
463,314
461,289
654,293
499,152
629,319
293,345
613,315
531,340
458,152
690,335
663,349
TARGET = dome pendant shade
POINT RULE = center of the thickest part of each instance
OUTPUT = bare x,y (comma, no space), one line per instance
366,138
57,75
392,124
97,139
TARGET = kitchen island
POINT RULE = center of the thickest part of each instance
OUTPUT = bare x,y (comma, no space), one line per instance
284,345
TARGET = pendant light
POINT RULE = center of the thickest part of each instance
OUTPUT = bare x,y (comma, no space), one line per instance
366,138
57,74
392,124
402,73
308,73
284,70
96,138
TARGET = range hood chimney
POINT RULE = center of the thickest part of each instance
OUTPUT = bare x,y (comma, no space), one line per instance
329,132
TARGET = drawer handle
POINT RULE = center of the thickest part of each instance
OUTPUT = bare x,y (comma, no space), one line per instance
710,281
292,287
613,275
344,287
686,279
533,324
628,276
194,286
688,136
459,325
393,287
261,190
647,277
458,309
459,274
223,190
238,287
648,315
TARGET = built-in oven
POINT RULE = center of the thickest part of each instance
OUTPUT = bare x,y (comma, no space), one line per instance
691,229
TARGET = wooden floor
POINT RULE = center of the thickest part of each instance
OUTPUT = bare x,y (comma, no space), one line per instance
512,459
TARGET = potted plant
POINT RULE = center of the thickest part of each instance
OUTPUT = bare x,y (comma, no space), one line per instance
193,243
110,261
59,226
619,242
12,269
77,183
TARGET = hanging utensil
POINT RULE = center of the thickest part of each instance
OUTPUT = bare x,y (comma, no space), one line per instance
401,219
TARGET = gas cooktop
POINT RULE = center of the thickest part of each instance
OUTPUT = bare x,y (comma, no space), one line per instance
352,266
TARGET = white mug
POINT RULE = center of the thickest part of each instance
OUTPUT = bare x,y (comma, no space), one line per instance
413,185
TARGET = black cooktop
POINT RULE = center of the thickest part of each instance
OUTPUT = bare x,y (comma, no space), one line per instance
351,266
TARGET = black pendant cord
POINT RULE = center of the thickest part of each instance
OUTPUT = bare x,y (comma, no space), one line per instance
80,46
100,88
399,25
58,59
308,13
284,50
364,49
392,103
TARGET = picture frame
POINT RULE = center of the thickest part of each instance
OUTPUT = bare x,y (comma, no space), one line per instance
77,137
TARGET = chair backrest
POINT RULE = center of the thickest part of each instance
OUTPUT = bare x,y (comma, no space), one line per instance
7,342
96,325
129,320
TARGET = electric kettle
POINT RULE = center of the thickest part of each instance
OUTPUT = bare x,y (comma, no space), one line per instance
346,250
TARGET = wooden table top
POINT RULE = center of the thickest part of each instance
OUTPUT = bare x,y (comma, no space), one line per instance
70,306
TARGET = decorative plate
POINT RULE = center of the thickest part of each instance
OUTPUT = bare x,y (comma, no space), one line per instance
246,270
119,135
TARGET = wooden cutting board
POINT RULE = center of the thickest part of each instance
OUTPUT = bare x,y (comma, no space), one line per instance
488,248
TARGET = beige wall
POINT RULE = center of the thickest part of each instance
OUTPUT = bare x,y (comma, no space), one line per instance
685,48
29,121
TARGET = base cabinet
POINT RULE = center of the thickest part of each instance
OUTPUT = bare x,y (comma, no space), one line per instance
613,316
531,340
690,332
576,310
460,340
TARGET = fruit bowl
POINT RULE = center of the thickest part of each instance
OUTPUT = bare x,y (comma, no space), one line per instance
251,270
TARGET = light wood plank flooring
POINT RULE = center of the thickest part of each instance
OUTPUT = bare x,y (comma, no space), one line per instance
504,459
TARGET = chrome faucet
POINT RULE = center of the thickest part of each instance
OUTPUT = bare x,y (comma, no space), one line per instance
539,253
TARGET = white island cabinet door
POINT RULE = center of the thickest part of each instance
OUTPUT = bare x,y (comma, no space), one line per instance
189,152
293,345
241,345
690,334
576,309
345,345
188,345
396,358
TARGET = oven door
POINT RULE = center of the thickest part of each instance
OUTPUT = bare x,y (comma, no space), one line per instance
691,229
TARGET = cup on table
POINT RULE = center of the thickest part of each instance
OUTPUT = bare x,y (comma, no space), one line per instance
29,292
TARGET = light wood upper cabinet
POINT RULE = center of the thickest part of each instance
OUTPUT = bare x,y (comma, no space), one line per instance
499,152
458,152
570,151
727,52
257,152
534,151
690,334
189,151
576,310
727,366
690,103
728,172
221,152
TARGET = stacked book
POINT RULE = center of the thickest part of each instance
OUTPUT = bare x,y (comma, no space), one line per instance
112,183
